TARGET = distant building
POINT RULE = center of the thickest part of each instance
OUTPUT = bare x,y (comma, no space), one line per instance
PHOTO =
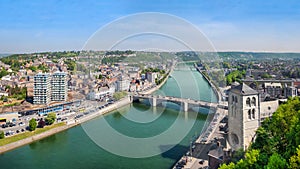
290,91
151,76
216,156
273,89
276,90
122,84
42,88
59,87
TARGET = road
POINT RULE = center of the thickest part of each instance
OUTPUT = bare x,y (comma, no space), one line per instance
68,116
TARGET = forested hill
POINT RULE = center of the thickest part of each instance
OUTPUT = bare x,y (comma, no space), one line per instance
258,55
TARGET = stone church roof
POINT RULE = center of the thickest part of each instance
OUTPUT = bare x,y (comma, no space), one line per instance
243,89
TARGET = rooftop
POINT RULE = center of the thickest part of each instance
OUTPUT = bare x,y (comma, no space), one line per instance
243,89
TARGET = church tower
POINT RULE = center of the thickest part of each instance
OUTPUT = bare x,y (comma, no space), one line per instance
243,116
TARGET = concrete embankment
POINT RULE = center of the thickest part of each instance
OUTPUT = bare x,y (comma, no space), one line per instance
112,107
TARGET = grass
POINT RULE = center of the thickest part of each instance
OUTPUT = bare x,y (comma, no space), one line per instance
27,134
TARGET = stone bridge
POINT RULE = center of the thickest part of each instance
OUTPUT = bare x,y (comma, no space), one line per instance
185,103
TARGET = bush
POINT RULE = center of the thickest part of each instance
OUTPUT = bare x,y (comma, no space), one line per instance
2,134
41,124
119,95
50,119
32,124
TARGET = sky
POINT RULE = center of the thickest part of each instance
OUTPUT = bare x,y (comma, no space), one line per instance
229,25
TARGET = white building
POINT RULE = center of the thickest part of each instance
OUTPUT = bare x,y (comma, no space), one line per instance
42,88
151,76
122,84
59,87
7,77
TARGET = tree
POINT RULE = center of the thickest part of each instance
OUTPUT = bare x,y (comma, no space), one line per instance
50,119
2,134
276,161
33,68
32,124
41,124
119,95
239,154
295,159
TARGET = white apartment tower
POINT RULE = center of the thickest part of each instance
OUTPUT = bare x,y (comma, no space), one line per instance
243,116
49,88
59,87
42,88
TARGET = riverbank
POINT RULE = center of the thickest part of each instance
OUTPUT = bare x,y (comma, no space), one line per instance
112,107
161,84
215,89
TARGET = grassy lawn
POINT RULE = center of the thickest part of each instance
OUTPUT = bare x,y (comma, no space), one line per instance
27,134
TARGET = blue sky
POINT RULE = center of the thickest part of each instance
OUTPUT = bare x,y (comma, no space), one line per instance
231,25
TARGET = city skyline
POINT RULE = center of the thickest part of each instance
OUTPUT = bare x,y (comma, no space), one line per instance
230,26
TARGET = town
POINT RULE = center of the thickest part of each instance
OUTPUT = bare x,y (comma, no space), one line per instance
38,84
44,89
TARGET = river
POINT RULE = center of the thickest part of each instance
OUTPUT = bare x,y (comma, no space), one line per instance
73,148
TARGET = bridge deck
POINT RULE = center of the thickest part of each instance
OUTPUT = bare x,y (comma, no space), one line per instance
179,100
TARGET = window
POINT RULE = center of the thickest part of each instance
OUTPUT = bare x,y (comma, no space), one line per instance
249,114
232,98
236,100
253,101
248,102
253,113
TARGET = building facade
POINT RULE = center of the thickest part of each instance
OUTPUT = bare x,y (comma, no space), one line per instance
49,87
42,88
122,84
59,87
151,76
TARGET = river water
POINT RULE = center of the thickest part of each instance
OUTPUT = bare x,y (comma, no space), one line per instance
74,149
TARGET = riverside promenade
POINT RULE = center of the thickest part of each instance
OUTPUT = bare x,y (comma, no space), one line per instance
112,107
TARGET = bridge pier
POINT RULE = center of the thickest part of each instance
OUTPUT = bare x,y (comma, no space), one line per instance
153,101
185,106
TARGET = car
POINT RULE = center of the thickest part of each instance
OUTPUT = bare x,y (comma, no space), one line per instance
201,161
21,124
12,124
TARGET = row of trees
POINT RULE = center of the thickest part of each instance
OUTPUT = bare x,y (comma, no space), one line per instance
117,52
18,93
277,143
119,95
235,76
161,71
49,120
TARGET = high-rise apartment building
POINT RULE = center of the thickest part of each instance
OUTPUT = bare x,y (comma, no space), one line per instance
42,88
59,87
49,88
